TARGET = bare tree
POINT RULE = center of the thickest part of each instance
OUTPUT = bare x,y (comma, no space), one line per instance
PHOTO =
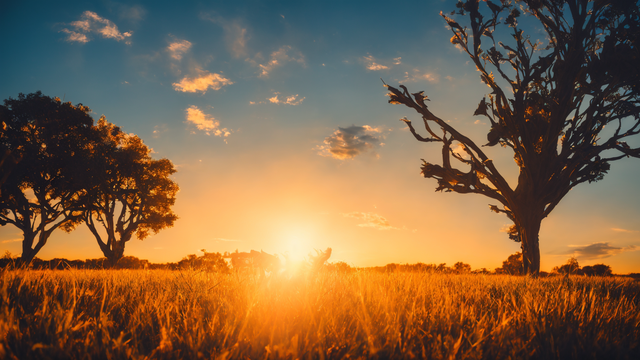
549,105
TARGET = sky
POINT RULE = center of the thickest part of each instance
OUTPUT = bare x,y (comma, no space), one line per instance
275,117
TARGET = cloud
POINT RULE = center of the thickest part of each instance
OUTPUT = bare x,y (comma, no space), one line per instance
235,35
205,122
347,143
178,48
227,240
91,23
418,75
397,61
278,58
288,100
597,250
133,13
371,64
11,240
623,230
372,220
202,82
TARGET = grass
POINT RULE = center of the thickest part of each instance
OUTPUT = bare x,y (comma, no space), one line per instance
139,314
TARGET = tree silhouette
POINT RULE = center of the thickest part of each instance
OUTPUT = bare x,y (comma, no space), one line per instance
549,105
511,266
597,270
570,268
127,192
40,193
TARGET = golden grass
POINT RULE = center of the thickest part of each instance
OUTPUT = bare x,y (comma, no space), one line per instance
114,314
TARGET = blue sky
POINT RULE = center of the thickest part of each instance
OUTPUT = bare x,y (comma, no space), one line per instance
251,100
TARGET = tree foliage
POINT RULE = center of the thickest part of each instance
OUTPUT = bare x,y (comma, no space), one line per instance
40,193
549,105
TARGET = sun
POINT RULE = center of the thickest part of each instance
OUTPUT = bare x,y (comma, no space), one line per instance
297,246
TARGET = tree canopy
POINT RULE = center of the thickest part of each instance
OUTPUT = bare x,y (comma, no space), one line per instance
549,105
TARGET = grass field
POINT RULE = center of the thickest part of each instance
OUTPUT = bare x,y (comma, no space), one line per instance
115,314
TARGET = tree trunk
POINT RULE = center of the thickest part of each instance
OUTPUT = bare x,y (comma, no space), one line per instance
529,230
28,253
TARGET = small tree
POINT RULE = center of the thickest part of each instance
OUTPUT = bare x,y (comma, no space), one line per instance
126,192
549,105
597,270
40,193
570,268
511,266
461,268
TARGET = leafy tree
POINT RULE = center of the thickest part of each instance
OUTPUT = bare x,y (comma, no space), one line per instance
127,192
461,268
570,268
511,266
597,270
549,105
40,194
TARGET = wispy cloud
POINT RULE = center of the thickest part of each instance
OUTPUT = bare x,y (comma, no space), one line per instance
177,48
11,241
92,23
226,240
235,35
623,230
419,75
373,220
597,250
201,82
278,58
347,143
205,122
372,64
133,13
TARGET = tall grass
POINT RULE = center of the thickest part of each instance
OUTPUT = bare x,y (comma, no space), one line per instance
109,314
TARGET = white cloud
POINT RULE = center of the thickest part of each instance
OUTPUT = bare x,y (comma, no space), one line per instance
371,64
205,122
347,143
278,58
397,61
178,48
202,82
91,22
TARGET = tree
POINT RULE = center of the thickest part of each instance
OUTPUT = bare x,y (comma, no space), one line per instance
511,266
570,268
40,193
597,270
126,191
549,105
461,268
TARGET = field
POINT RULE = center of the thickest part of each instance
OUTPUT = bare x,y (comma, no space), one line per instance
139,314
